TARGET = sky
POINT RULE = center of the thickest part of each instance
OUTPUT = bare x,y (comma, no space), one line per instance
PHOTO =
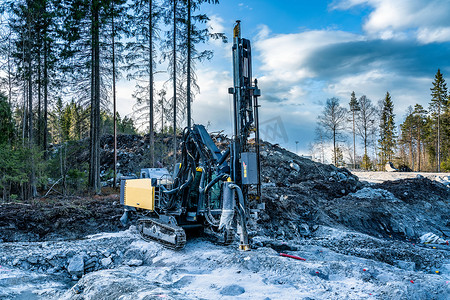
305,52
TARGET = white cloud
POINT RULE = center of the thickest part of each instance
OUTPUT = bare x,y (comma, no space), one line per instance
213,104
374,83
393,18
431,35
285,56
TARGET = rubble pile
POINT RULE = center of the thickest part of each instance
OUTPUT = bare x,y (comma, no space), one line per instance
359,239
133,153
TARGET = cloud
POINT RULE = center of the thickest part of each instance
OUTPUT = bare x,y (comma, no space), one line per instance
439,34
402,57
216,25
396,19
213,104
284,56
299,71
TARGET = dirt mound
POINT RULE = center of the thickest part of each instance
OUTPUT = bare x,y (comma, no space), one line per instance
59,218
299,195
384,210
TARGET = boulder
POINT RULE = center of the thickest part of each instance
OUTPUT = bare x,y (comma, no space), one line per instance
76,266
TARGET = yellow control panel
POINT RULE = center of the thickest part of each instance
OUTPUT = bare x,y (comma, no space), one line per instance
139,193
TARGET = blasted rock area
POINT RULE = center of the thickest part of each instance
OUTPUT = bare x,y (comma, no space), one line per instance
359,241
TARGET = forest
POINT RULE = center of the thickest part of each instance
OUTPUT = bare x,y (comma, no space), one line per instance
420,143
60,61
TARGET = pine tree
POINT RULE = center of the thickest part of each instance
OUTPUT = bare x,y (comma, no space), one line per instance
354,107
88,49
407,135
6,124
387,139
141,56
419,119
438,104
195,34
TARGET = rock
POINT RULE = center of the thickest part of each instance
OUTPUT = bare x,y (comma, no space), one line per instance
133,253
232,290
105,262
32,260
304,229
445,268
431,238
341,176
134,262
320,273
294,166
406,265
409,231
76,266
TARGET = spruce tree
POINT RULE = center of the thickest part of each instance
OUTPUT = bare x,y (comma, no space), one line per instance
6,123
387,139
438,104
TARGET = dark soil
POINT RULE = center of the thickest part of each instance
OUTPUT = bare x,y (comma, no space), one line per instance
59,218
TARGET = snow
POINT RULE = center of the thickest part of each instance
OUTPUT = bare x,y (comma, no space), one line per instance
340,263
204,270
378,177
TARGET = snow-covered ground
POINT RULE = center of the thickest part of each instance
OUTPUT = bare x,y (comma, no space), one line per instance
378,177
360,241
203,270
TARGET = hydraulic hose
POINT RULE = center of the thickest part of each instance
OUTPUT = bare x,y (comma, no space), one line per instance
242,216
213,182
224,157
240,196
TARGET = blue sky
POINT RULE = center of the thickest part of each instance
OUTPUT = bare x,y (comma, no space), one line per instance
307,51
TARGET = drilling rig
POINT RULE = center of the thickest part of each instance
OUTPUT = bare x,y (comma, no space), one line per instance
208,188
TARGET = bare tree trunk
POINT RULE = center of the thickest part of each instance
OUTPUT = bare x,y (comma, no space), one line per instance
354,141
334,148
151,94
9,70
114,97
39,86
418,152
189,50
33,191
174,82
95,102
439,141
45,137
91,124
411,150
97,97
